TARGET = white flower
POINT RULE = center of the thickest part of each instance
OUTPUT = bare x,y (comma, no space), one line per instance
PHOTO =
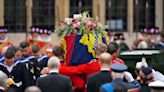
68,21
77,16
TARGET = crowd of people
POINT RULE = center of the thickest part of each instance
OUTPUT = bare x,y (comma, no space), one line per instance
147,39
40,67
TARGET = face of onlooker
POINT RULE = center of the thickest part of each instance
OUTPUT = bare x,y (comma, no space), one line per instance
25,51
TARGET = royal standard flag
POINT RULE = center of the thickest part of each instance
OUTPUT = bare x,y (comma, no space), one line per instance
80,48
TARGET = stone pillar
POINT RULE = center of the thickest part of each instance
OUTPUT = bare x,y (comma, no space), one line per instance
159,14
28,14
98,9
61,10
66,8
1,12
130,16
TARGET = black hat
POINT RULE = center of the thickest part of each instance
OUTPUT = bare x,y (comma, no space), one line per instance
144,30
41,30
119,36
146,70
3,29
119,67
45,31
154,31
34,30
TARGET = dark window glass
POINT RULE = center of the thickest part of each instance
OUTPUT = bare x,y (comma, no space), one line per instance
79,6
43,13
15,15
146,14
116,15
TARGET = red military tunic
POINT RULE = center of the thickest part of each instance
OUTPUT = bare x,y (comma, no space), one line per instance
74,73
117,60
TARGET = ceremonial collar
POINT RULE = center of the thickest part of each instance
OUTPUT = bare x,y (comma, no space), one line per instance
27,59
42,57
2,59
3,64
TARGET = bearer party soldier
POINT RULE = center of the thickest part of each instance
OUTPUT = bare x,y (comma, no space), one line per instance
3,38
41,57
41,36
30,61
16,72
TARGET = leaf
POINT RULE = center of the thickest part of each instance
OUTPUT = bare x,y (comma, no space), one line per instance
64,33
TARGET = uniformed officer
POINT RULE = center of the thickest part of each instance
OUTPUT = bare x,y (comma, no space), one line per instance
41,36
118,73
3,38
15,70
160,44
42,59
153,37
146,76
30,61
119,39
34,34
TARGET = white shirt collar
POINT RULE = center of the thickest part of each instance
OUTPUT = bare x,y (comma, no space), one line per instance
52,71
106,69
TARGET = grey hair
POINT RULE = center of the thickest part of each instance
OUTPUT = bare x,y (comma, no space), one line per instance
3,79
33,89
54,62
116,75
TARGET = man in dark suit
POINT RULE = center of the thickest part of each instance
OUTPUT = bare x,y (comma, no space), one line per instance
54,82
102,77
117,84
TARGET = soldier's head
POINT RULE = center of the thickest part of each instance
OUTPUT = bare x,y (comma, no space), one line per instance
24,47
18,53
58,52
105,60
118,70
36,51
9,57
101,48
113,49
3,36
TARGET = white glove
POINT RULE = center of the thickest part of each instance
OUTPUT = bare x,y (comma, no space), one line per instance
144,62
128,76
158,76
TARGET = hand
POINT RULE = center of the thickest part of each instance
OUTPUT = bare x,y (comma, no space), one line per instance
128,76
45,70
10,81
